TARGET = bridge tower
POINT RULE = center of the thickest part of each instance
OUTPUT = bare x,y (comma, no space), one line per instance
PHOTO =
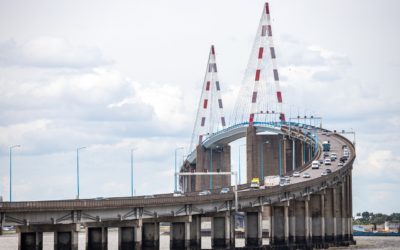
260,101
210,119
210,112
260,97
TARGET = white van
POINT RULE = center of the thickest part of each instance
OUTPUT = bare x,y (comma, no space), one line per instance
315,165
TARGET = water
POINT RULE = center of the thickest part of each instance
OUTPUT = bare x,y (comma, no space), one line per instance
10,242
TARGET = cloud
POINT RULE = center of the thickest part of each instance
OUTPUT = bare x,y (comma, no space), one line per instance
50,52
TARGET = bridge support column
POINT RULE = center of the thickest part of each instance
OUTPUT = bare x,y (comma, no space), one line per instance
180,235
292,221
288,154
300,222
307,219
96,238
126,238
316,219
338,214
195,231
221,231
350,207
66,240
151,235
281,225
329,216
253,229
344,210
30,241
293,154
298,153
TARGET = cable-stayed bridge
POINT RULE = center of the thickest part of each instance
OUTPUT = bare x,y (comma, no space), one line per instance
310,207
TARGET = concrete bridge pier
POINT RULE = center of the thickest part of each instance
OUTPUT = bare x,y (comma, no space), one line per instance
317,227
292,222
30,241
280,224
180,235
222,231
337,191
253,229
96,238
66,240
195,232
300,224
329,216
151,235
298,153
126,238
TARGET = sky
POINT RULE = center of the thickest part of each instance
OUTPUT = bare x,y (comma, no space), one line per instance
113,76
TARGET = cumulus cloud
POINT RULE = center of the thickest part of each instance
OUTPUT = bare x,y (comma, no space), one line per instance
50,52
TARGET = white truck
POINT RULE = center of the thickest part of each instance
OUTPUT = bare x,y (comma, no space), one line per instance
272,180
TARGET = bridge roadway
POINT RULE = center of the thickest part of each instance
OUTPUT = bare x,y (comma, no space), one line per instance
314,212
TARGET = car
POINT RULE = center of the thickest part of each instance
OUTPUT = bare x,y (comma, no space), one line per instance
328,170
224,191
340,164
296,174
324,173
343,159
205,192
326,154
149,196
321,161
177,194
333,156
306,175
327,161
315,165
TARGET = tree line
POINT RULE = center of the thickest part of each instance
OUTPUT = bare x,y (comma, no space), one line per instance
376,219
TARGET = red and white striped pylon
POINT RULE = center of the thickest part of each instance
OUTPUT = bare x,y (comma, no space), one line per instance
262,66
210,113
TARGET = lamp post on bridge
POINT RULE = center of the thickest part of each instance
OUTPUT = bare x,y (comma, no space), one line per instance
77,171
11,148
350,132
176,171
132,190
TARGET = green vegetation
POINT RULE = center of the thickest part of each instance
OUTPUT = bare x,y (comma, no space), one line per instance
375,219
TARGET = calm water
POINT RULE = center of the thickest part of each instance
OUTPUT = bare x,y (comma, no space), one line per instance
9,242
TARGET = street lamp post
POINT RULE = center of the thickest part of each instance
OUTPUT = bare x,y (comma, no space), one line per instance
176,171
132,172
77,171
240,179
14,146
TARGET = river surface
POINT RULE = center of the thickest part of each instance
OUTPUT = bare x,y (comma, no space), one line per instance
10,242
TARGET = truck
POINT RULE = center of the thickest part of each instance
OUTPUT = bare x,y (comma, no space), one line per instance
326,146
255,183
272,180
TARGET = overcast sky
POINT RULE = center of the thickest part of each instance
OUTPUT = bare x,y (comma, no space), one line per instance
117,75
